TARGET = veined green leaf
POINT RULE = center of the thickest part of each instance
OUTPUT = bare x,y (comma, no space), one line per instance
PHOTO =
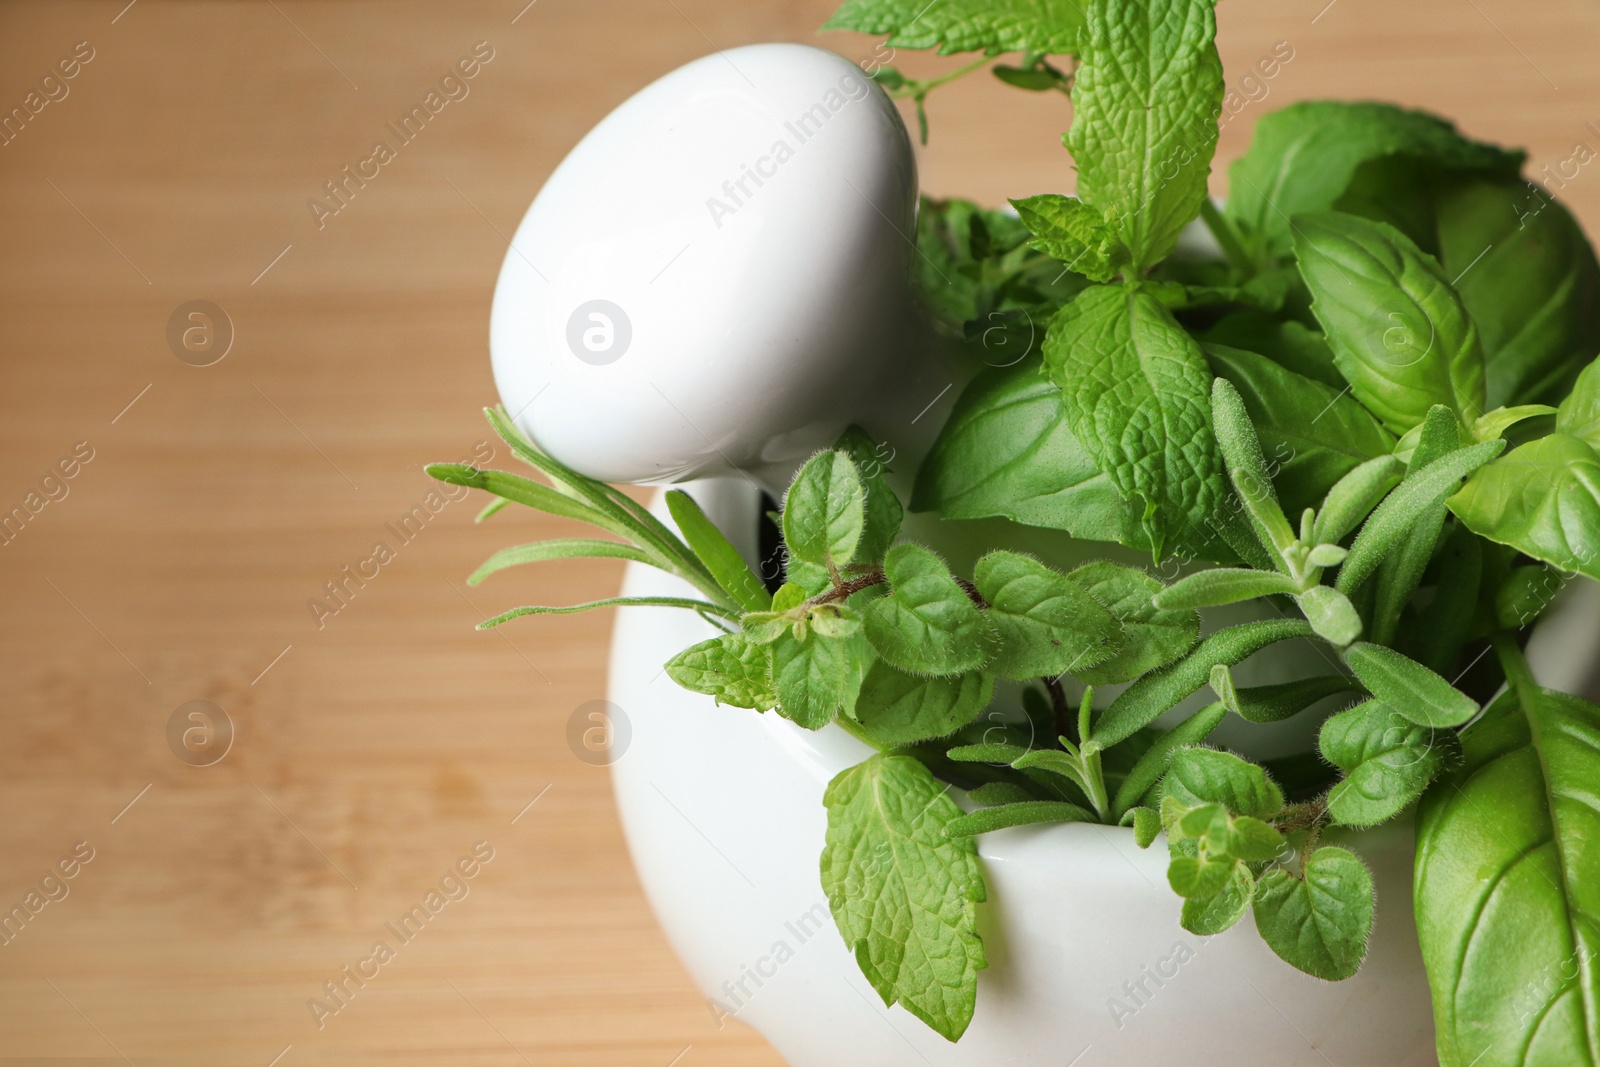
1047,624
1022,813
928,624
560,548
883,511
825,510
1319,924
903,895
1507,902
817,678
719,556
1199,776
1156,693
1138,395
896,708
991,26
1145,101
1400,334
1408,687
1542,499
1073,232
731,669
1303,157
1151,636
1219,912
1387,762
1579,414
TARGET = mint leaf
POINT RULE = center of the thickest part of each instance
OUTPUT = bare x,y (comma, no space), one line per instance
992,26
1008,451
905,896
896,708
1408,687
1304,156
730,668
1508,908
1145,102
1387,761
818,677
1151,636
1047,624
824,512
1422,348
927,624
1073,232
1138,395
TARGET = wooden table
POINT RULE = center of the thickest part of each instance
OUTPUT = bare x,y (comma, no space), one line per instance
375,745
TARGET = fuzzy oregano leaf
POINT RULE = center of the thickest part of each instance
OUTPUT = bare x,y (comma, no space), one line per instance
1151,637
818,677
883,510
1319,923
1047,623
896,708
1199,776
1138,395
1145,102
903,894
824,511
927,624
1387,761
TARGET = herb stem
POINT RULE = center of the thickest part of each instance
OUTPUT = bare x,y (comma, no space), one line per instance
916,89
844,590
1515,664
1227,238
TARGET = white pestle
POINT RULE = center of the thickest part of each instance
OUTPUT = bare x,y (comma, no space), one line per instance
716,280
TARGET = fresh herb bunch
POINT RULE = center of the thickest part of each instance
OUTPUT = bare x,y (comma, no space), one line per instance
1376,412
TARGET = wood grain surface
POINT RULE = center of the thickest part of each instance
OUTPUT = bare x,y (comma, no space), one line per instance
373,751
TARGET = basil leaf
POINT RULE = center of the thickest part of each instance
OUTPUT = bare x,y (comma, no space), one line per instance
1047,624
1156,693
896,708
990,26
1199,776
1145,101
1220,911
1138,395
1319,924
1400,335
1408,687
1008,451
1312,434
1542,499
883,511
1073,232
1579,413
1528,277
1151,636
1022,813
1286,343
730,668
1508,907
1387,761
1153,764
730,570
1303,157
903,895
928,624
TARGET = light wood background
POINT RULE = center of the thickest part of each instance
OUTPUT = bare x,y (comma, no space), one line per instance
374,752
